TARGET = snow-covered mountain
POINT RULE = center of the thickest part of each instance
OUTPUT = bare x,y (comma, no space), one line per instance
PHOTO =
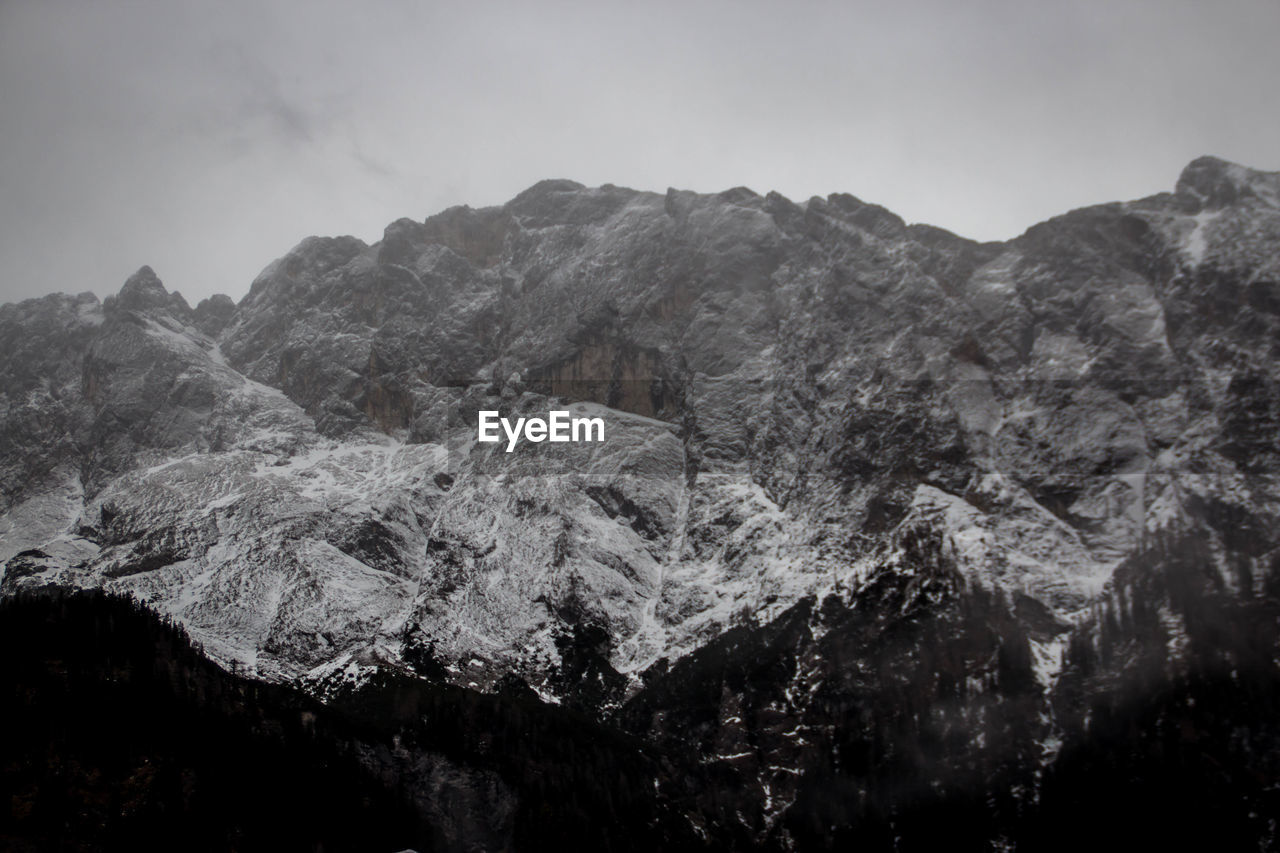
848,461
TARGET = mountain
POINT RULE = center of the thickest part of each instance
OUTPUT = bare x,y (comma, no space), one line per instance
891,530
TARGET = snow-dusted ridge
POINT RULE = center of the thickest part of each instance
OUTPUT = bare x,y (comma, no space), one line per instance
795,396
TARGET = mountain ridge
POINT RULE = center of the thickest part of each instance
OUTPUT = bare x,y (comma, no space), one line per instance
1207,165
842,442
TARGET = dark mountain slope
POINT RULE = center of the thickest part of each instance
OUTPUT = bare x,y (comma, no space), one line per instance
122,736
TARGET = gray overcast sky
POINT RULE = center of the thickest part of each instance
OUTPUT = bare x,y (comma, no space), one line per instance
207,139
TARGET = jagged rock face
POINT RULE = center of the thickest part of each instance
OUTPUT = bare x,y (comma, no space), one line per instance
793,391
42,343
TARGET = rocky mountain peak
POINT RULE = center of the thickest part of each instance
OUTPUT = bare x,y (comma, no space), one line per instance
214,313
542,190
144,293
141,289
1215,183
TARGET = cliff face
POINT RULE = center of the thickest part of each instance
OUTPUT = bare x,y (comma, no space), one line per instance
821,422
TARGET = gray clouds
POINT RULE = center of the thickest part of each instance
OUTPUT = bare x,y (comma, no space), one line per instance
206,139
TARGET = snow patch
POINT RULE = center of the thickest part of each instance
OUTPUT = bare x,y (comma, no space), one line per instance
1197,241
